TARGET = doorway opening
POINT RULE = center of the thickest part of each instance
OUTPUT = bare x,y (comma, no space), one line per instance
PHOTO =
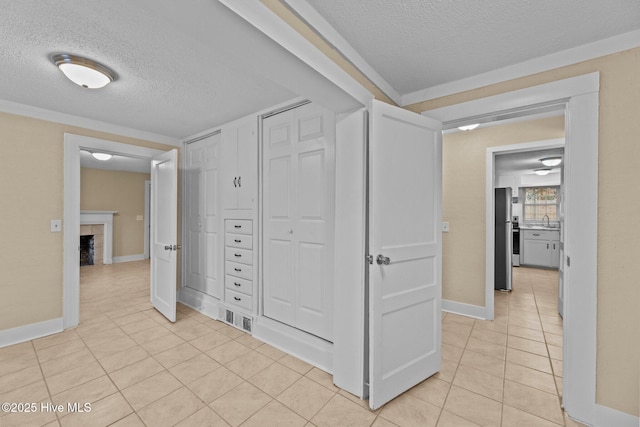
578,97
73,146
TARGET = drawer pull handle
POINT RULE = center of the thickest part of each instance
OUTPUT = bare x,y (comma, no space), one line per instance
536,234
237,284
238,269
238,241
237,226
237,255
237,298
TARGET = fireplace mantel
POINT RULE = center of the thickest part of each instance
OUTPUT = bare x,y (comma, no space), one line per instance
106,219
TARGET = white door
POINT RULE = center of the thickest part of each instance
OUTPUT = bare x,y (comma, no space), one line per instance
203,212
164,232
298,188
405,198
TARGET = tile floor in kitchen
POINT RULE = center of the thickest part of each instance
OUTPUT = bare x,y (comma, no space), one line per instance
135,368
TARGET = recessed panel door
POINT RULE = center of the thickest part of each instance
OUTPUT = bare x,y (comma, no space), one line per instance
164,232
203,243
405,242
298,188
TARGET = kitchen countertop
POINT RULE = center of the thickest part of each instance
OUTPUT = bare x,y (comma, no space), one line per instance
539,227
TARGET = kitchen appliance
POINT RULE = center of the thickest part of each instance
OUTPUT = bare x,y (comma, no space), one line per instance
515,242
503,244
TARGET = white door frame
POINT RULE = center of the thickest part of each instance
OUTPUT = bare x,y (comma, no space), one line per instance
490,212
71,229
147,212
580,95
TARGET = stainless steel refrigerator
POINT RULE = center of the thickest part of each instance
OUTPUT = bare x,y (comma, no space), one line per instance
503,239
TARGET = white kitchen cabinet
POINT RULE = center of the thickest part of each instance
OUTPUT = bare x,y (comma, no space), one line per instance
240,171
541,248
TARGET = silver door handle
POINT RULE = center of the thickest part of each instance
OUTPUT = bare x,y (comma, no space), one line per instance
381,259
172,247
168,248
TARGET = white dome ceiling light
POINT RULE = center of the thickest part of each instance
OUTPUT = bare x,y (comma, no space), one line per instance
551,161
469,127
542,171
84,72
102,156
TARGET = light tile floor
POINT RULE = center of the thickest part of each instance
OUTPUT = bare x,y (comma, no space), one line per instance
135,368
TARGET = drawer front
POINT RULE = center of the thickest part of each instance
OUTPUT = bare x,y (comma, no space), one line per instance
541,235
237,284
243,256
242,241
238,299
239,226
239,270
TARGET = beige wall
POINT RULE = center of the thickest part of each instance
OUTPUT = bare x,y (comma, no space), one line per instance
463,180
618,317
104,190
31,195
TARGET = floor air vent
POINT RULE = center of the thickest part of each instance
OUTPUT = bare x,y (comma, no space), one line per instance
246,323
229,316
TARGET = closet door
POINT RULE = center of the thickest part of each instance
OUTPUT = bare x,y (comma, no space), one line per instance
204,219
298,183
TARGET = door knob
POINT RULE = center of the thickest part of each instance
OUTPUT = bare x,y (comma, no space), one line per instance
381,259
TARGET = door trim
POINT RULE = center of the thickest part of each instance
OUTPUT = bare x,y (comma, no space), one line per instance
71,230
581,164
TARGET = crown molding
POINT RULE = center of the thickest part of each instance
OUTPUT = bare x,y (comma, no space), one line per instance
83,122
533,66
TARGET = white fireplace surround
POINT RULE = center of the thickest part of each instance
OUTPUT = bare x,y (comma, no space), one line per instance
104,218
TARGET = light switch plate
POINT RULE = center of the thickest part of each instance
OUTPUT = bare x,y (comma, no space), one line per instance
56,225
139,218
445,226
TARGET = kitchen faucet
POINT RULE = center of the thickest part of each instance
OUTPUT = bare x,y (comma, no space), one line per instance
546,216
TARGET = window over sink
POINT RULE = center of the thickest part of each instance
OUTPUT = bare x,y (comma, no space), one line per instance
540,201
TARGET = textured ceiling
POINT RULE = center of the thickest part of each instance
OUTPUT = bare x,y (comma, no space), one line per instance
418,44
187,66
525,162
177,72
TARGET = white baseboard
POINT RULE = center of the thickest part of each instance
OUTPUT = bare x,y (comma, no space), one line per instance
302,345
30,332
127,258
606,416
205,304
463,309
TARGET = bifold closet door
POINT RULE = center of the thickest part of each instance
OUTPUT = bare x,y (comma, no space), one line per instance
298,215
203,211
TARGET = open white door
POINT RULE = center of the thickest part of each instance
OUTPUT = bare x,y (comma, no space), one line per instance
405,198
164,232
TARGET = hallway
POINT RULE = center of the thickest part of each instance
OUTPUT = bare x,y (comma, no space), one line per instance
136,368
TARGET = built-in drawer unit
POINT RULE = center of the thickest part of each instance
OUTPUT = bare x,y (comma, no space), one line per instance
239,226
238,299
237,284
238,280
242,241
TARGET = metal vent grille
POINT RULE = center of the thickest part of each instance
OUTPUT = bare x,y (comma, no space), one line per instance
246,324
229,316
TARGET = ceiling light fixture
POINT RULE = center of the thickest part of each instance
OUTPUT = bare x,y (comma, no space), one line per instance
102,156
542,171
469,127
84,72
551,161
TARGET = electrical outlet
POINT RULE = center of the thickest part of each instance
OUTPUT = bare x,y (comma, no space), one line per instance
56,225
139,218
445,226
